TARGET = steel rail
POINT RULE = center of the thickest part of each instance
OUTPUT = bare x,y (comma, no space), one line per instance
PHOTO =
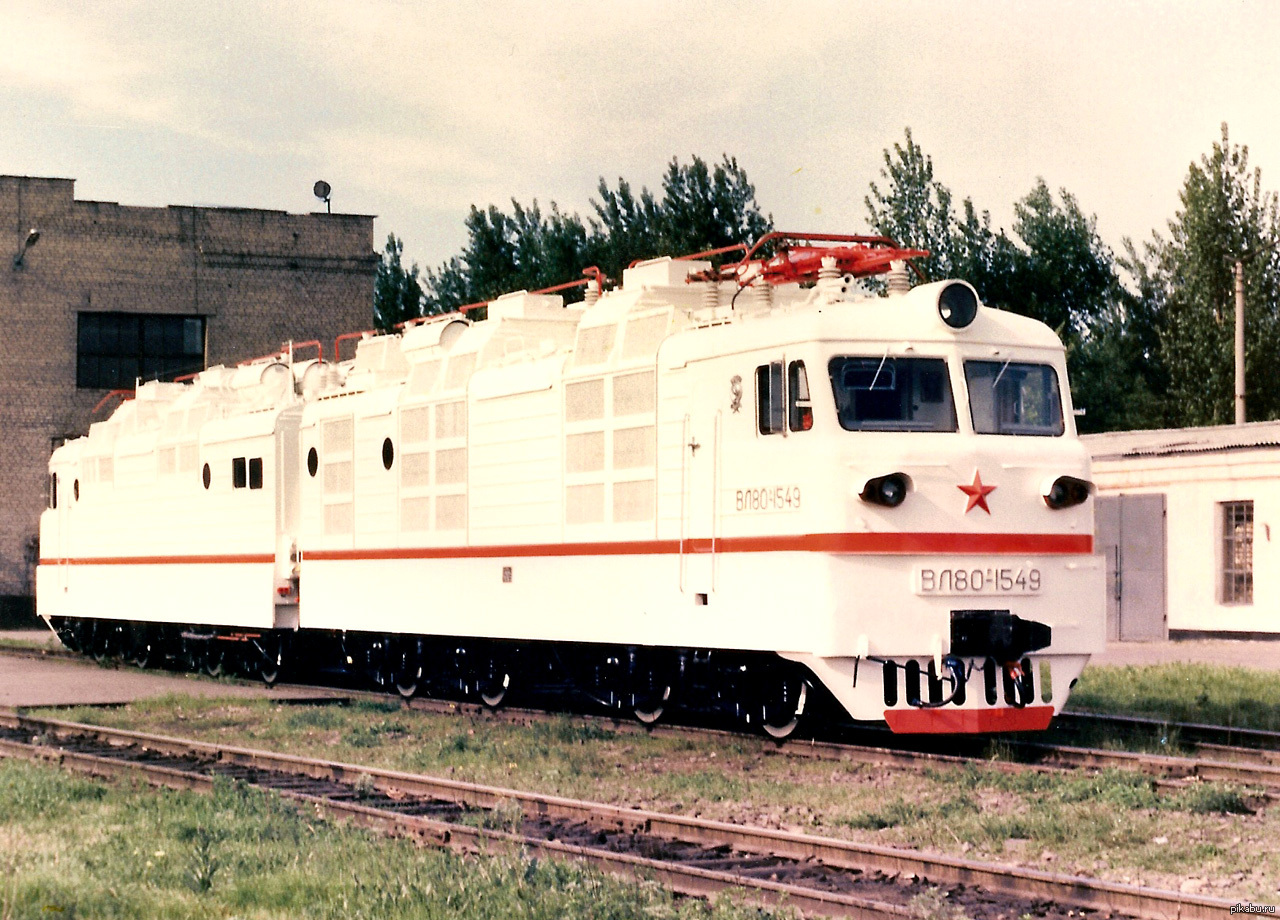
1197,733
1260,768
1169,771
1011,882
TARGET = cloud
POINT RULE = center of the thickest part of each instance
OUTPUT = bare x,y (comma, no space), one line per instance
60,56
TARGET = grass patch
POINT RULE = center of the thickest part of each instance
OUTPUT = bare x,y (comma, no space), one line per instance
75,848
1183,692
1106,824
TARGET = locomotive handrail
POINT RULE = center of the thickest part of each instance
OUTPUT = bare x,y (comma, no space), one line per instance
736,247
247,361
429,318
337,343
123,394
592,272
310,343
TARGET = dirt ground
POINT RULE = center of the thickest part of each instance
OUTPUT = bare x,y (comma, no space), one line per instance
33,681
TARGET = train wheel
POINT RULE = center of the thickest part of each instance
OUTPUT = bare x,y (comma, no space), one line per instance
493,679
215,659
649,709
408,667
108,640
270,659
71,632
192,651
140,650
782,704
650,690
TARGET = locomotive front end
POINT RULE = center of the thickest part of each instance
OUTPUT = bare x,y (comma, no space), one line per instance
965,595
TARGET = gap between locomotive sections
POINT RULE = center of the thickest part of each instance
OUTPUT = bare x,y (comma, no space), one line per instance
689,855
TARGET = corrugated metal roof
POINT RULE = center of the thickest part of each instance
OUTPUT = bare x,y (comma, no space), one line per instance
1168,442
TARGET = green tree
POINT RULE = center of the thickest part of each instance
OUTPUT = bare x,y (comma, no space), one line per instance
916,212
706,208
1116,376
626,226
701,208
1224,214
1053,267
397,293
523,250
1062,274
1057,270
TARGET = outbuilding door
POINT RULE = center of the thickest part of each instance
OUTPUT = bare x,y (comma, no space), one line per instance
1130,532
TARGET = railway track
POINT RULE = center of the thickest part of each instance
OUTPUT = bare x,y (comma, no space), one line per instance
820,876
1253,761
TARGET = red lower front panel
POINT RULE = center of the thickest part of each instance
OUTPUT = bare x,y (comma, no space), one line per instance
943,721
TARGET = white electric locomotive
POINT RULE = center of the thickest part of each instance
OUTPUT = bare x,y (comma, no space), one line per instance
718,487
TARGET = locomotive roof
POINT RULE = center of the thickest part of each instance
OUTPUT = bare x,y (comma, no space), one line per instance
538,335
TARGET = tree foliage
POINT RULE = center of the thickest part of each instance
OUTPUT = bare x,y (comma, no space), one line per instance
1053,267
915,210
1188,285
397,293
701,208
1057,269
1152,349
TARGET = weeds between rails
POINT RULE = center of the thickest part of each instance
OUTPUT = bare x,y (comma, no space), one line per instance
76,847
1112,824
694,856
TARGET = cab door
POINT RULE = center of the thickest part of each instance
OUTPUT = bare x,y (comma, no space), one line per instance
700,518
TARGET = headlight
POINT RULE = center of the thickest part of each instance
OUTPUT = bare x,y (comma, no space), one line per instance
1067,492
889,491
957,304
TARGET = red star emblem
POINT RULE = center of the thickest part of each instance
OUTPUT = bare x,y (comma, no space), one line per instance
977,494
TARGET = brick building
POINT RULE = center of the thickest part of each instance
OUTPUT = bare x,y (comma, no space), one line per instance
108,293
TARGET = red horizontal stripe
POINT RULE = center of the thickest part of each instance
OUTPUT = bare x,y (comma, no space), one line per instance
938,544
216,559
951,544
958,721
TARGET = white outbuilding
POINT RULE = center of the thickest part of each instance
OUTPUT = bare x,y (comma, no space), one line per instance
1184,517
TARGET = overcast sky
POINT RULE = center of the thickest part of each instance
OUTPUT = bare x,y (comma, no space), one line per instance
413,111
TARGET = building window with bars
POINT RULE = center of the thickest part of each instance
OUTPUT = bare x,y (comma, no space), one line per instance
114,350
1237,552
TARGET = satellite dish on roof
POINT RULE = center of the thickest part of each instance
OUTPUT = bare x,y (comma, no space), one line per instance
322,191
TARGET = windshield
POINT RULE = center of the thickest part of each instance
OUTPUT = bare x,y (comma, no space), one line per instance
885,393
1006,397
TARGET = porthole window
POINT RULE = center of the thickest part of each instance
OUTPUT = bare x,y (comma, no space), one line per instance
388,454
206,476
313,462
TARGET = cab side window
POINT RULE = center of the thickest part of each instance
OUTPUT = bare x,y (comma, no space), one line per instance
799,407
782,398
769,398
